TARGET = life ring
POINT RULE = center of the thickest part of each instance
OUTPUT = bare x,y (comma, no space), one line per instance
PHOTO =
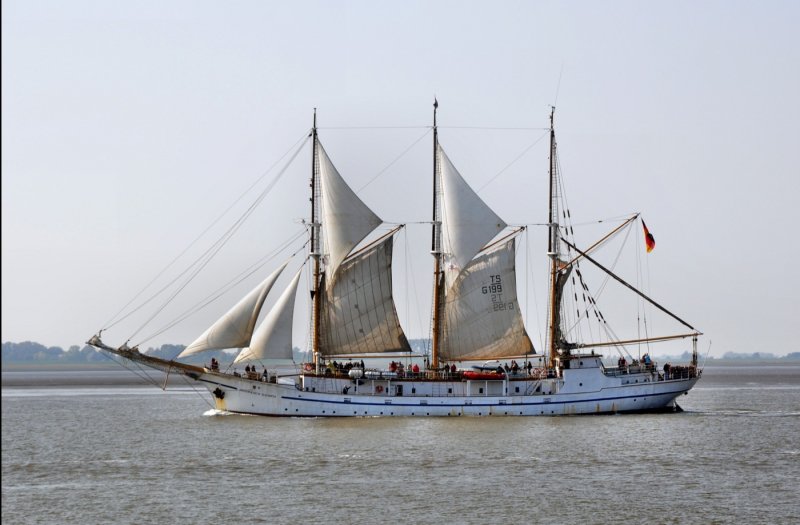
378,389
308,367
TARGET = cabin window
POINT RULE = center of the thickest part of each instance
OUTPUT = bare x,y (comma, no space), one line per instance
413,390
480,390
516,390
449,390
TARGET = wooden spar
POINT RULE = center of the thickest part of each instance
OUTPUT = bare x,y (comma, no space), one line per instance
601,241
502,239
166,378
375,355
315,244
552,245
375,242
435,248
621,281
643,340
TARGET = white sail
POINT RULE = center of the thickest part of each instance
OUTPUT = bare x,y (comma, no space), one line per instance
346,219
234,329
468,224
482,319
358,312
273,337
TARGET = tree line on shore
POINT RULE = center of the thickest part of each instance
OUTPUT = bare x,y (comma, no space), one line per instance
29,352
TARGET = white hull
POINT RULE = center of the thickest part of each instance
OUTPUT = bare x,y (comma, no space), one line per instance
590,390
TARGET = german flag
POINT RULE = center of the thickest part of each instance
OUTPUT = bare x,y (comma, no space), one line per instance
649,240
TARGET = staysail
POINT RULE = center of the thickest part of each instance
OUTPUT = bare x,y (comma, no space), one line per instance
358,310
346,219
273,337
482,319
235,328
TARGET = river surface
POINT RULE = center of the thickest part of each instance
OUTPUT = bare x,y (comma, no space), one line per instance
98,451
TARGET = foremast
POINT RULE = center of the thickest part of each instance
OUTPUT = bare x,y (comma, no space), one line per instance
436,248
316,250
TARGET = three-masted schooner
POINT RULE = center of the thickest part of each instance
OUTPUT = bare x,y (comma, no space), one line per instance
475,318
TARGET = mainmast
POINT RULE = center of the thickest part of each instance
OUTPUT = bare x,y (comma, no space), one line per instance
315,241
553,242
436,247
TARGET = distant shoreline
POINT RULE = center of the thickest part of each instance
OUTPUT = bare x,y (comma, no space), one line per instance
59,367
61,376
106,366
76,375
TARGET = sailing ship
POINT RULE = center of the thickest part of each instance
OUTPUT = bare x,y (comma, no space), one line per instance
475,318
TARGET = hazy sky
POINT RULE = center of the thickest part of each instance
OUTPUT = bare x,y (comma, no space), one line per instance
127,127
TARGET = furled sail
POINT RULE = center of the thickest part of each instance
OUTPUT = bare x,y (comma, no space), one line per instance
482,319
235,328
346,219
468,224
561,281
358,312
273,337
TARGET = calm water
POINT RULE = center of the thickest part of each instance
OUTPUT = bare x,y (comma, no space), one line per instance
140,455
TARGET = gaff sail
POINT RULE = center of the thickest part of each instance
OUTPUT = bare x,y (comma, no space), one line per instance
482,319
358,311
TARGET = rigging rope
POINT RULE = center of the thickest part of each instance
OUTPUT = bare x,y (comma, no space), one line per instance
205,258
526,150
494,128
219,292
373,127
111,322
373,179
